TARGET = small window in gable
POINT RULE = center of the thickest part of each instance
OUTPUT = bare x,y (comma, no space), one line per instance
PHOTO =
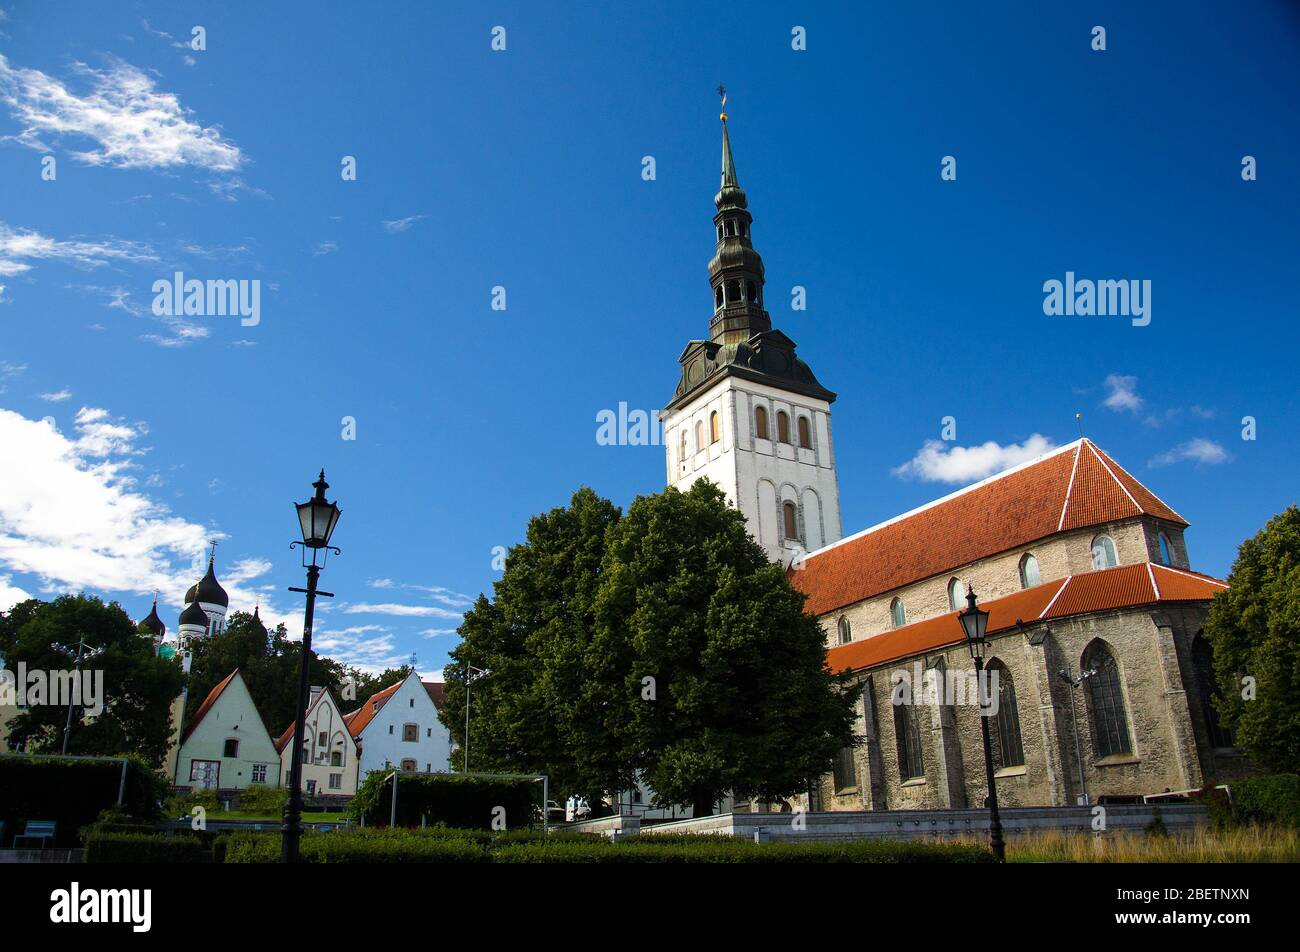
1103,553
760,422
231,749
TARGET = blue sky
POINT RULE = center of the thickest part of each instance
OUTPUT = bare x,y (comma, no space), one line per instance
522,169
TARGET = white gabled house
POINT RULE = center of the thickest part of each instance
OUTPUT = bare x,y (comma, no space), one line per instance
225,745
329,752
399,728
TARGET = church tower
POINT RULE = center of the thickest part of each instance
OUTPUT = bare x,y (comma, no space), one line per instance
748,413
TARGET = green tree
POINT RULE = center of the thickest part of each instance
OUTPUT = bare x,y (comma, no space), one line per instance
138,687
1254,629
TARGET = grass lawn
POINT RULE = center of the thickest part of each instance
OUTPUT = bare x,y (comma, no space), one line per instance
1251,844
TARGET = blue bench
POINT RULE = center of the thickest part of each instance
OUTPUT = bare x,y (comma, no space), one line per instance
37,833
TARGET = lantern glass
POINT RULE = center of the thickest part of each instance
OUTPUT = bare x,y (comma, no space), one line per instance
317,519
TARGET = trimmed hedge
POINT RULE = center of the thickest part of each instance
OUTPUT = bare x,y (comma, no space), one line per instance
356,846
72,793
1270,798
106,847
451,799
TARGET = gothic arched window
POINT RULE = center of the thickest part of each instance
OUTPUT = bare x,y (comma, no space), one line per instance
760,422
845,771
791,517
897,613
805,434
1029,574
955,595
1105,702
699,435
714,428
1165,557
1103,553
1005,726
783,426
907,734
845,629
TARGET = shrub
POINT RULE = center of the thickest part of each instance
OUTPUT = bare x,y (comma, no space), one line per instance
357,846
106,847
263,799
1271,798
73,793
182,804
115,820
457,801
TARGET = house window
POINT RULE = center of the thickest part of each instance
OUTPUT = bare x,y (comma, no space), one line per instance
1106,702
428,732
714,428
324,739
907,733
783,426
1165,558
390,728
410,732
409,766
846,630
897,613
259,773
1029,574
805,434
232,748
791,520
336,781
1203,666
760,422
205,774
311,788
336,758
846,771
1005,729
412,704
1103,553
955,595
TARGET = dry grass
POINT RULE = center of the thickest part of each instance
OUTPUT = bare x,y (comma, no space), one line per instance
1249,844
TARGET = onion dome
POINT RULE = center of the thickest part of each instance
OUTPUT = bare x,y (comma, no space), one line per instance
152,625
208,589
194,615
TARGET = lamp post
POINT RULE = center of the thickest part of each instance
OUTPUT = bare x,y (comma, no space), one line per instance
67,728
975,624
317,519
470,671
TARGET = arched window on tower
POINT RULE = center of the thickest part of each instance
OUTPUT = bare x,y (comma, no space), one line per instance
1005,727
733,292
699,435
1029,574
956,595
1103,553
805,433
845,630
783,426
897,613
719,233
760,422
791,516
717,297
741,226
1165,551
751,292
731,228
714,427
1105,696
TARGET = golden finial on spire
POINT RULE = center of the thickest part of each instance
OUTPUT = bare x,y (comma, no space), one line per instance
722,94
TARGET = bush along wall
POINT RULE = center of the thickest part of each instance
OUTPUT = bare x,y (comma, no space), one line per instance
1267,799
104,847
456,801
73,793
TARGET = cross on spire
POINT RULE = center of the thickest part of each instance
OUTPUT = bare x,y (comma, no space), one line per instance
212,555
722,94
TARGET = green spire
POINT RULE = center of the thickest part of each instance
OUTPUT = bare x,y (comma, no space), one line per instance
728,164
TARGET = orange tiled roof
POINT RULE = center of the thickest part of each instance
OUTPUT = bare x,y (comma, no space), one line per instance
1070,488
363,715
1125,586
437,692
206,706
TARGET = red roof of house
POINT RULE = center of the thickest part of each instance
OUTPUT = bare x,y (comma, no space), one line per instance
1070,488
363,715
206,706
437,693
1125,586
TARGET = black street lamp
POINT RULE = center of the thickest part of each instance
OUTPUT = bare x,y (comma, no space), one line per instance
975,626
317,519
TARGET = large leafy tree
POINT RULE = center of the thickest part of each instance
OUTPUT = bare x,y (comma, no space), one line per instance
1254,629
138,686
662,643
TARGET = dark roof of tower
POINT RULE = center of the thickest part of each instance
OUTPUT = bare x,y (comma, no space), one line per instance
194,615
152,624
208,589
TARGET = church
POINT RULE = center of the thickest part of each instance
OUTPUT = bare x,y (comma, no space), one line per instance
1104,683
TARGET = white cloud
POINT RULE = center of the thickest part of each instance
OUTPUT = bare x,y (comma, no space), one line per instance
402,224
10,595
1199,450
1122,395
409,611
132,124
357,646
438,632
939,462
18,246
325,248
7,372
72,516
57,396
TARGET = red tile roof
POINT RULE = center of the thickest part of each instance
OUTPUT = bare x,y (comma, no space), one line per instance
1070,488
1125,586
437,693
206,706
363,715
